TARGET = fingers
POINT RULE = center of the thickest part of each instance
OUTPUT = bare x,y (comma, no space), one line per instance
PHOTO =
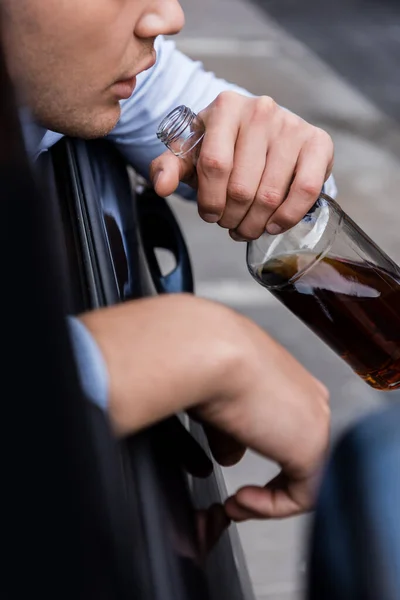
313,168
236,512
225,449
280,498
280,164
260,167
167,171
249,162
216,158
272,190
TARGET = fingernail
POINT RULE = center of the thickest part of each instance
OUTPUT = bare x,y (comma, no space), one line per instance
236,237
274,229
210,218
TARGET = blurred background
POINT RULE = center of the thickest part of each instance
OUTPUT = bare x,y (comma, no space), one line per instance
337,64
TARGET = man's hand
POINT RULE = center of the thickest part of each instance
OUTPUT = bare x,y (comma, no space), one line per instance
176,353
272,405
260,166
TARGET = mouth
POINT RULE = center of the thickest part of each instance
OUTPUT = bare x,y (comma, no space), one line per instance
125,87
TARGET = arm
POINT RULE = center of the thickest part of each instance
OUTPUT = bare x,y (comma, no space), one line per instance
179,353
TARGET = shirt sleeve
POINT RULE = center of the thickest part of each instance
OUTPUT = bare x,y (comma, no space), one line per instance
92,369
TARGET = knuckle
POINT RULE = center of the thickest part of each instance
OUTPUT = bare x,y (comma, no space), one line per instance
269,199
225,98
323,137
264,106
239,193
294,123
308,188
286,219
214,165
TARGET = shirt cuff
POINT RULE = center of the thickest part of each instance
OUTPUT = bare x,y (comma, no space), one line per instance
92,369
330,188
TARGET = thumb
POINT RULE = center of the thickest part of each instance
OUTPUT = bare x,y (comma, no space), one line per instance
167,171
280,498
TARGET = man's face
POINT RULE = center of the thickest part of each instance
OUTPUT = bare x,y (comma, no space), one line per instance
74,60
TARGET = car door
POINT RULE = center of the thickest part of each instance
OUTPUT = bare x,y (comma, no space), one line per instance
113,227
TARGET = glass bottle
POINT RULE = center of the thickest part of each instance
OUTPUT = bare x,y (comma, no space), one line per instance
326,270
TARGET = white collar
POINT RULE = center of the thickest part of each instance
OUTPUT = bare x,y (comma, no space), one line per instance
38,139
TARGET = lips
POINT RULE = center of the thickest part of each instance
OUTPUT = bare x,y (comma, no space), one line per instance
125,88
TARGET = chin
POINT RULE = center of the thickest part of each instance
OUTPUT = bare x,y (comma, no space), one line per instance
101,126
96,124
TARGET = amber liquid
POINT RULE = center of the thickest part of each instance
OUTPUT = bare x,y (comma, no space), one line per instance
353,307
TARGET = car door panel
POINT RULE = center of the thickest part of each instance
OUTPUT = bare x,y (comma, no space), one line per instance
112,226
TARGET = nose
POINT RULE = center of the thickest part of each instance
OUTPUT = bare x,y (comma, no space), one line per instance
162,17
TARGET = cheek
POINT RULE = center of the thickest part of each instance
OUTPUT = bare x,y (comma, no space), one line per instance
91,34
69,50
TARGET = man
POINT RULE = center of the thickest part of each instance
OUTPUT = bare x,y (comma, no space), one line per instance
91,68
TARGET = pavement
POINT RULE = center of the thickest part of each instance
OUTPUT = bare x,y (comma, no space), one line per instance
270,47
360,39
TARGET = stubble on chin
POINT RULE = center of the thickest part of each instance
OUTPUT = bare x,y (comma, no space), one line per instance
85,124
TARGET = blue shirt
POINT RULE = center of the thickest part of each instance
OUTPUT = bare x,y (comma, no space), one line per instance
175,79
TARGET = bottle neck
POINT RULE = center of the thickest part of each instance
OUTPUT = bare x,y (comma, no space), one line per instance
182,132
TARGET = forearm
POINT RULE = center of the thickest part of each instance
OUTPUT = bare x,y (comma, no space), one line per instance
179,353
163,355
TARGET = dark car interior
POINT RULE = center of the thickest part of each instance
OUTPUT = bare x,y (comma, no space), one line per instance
87,516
